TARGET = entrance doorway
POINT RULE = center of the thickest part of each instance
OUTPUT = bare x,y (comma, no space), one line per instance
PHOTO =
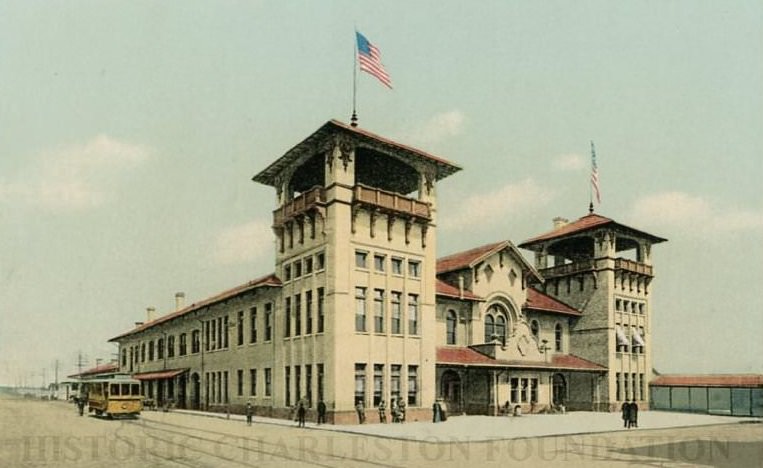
450,391
559,390
195,391
182,382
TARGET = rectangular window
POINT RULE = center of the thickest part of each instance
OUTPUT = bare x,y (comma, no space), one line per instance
523,391
297,269
414,268
309,384
379,261
268,321
297,383
287,317
378,383
213,332
320,310
515,390
360,309
379,310
240,328
394,381
319,370
240,382
618,304
268,382
195,341
641,309
171,346
413,386
641,394
413,314
287,385
206,335
397,312
253,325
626,392
361,259
533,390
634,385
143,352
360,383
397,266
225,332
183,345
308,265
124,357
298,315
252,382
618,388
287,272
160,348
320,261
225,387
151,350
308,312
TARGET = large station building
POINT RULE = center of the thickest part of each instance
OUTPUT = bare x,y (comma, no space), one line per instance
360,309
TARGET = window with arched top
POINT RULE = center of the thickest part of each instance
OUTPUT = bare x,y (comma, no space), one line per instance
489,325
535,328
500,328
558,337
450,333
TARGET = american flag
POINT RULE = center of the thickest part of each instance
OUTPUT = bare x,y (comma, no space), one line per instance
595,175
370,60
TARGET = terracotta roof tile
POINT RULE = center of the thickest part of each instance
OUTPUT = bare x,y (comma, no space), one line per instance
460,355
537,300
447,290
269,280
716,380
464,259
585,223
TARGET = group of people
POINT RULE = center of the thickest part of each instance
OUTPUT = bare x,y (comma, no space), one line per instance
630,414
298,412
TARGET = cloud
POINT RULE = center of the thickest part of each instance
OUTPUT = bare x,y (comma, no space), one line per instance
75,177
243,243
679,210
493,207
438,127
569,162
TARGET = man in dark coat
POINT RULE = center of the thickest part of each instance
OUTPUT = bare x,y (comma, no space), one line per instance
633,420
301,414
249,411
321,412
626,410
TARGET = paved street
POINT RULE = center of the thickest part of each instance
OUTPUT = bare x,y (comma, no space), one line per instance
48,433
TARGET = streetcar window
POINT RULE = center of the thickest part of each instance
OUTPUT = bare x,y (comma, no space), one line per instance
125,389
135,389
115,389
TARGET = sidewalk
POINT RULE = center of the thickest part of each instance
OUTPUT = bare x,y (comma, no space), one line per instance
484,428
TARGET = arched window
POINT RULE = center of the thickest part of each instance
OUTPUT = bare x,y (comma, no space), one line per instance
450,334
535,328
500,328
558,336
489,325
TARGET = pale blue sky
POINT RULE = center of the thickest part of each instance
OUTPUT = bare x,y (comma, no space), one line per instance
131,130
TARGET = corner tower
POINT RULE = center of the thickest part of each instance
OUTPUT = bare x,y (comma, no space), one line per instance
355,224
604,269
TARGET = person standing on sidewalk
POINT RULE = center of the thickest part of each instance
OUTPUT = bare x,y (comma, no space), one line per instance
382,412
249,411
301,414
321,412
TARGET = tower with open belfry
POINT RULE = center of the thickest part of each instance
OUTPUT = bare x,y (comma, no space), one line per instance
603,269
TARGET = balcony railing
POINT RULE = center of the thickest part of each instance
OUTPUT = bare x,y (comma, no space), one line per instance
590,264
391,201
632,266
300,204
568,268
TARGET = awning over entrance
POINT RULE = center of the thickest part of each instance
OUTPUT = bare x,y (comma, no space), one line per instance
159,375
468,357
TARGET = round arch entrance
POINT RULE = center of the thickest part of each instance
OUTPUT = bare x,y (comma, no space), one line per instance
558,390
450,391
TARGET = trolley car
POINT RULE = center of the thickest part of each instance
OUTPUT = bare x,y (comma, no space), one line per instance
117,396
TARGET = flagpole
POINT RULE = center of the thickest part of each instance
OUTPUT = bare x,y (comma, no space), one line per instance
590,184
354,118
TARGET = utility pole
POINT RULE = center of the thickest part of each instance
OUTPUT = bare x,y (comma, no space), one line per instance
80,362
56,367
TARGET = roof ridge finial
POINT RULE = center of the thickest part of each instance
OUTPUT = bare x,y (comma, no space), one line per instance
354,119
590,208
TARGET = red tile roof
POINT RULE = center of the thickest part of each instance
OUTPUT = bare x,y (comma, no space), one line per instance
469,357
446,290
587,222
268,175
537,300
166,374
102,369
717,380
269,280
467,258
